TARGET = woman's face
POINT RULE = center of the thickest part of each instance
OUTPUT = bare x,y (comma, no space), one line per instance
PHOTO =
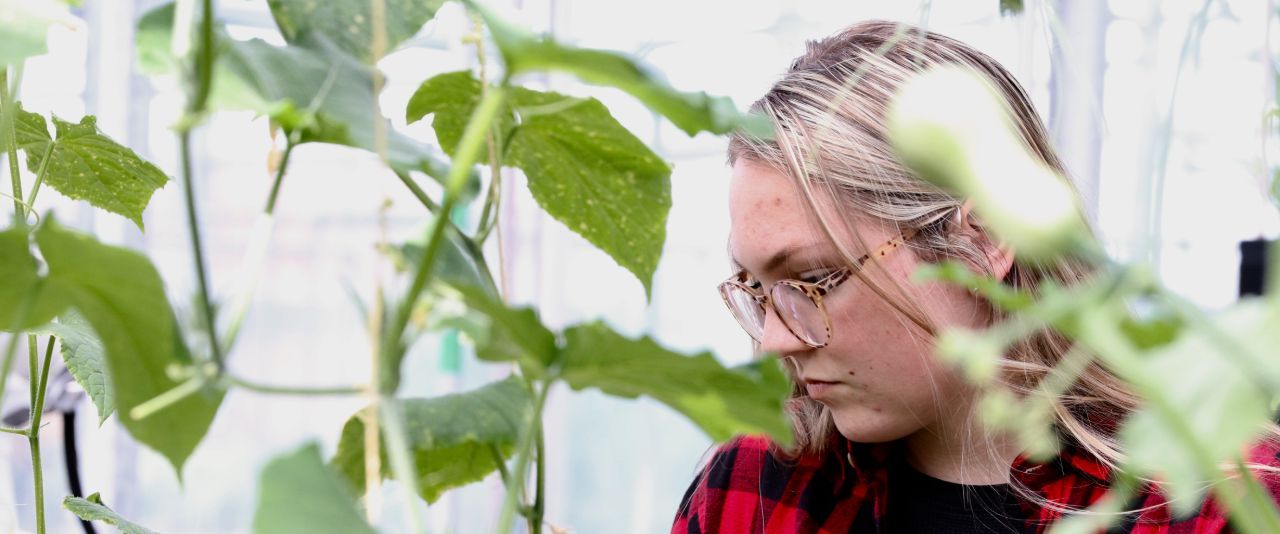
884,381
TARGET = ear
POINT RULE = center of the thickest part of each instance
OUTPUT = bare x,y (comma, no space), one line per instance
999,254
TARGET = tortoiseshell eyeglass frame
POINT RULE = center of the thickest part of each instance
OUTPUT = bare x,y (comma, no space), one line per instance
814,290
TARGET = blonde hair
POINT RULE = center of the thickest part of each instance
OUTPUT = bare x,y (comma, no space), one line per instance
829,112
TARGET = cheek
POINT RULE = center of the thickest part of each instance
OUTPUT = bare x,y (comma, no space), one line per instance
881,348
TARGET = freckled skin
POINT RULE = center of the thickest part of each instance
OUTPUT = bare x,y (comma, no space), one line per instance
891,386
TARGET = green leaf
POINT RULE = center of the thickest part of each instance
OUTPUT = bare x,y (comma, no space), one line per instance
691,112
451,98
18,271
1224,405
1010,7
584,168
591,174
500,333
24,25
121,295
722,402
83,353
93,509
452,437
86,165
349,24
455,264
1151,332
298,494
311,87
153,40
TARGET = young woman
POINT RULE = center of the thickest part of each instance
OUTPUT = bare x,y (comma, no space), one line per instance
888,438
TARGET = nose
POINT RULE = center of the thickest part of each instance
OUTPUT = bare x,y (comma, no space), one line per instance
776,338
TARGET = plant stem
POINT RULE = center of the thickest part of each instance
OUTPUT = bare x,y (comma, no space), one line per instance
527,444
9,105
418,193
539,501
397,440
468,150
500,463
33,431
275,186
44,165
36,471
205,54
168,398
372,443
18,431
255,255
1273,275
33,366
198,253
12,347
230,380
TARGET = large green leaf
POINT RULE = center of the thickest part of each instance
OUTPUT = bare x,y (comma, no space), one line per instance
349,24
584,167
121,295
311,87
692,112
452,437
722,402
298,494
86,165
93,509
1221,398
591,174
84,356
24,25
18,271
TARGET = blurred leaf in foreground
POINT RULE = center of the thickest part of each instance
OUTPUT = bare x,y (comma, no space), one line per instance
298,494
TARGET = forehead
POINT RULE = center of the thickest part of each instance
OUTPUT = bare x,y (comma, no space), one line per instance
767,214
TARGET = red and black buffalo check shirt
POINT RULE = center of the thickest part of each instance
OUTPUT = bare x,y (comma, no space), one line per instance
744,488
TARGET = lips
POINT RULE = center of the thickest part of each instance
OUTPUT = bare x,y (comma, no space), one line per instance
818,388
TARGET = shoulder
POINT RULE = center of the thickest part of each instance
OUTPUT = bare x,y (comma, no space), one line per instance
725,484
1157,516
746,486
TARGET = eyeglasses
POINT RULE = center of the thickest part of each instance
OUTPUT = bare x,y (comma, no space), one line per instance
797,303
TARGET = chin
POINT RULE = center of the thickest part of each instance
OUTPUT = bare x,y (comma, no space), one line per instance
867,426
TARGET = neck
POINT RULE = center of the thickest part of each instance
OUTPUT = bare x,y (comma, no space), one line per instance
961,450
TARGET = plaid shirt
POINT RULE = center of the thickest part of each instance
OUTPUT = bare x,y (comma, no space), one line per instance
745,489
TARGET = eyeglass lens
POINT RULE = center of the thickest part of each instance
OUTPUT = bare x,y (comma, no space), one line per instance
800,314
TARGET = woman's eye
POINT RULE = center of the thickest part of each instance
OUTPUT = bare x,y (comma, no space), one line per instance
814,277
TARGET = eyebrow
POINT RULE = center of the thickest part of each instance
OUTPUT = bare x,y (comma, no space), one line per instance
774,262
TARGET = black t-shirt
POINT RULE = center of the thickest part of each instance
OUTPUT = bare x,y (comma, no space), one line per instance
921,503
